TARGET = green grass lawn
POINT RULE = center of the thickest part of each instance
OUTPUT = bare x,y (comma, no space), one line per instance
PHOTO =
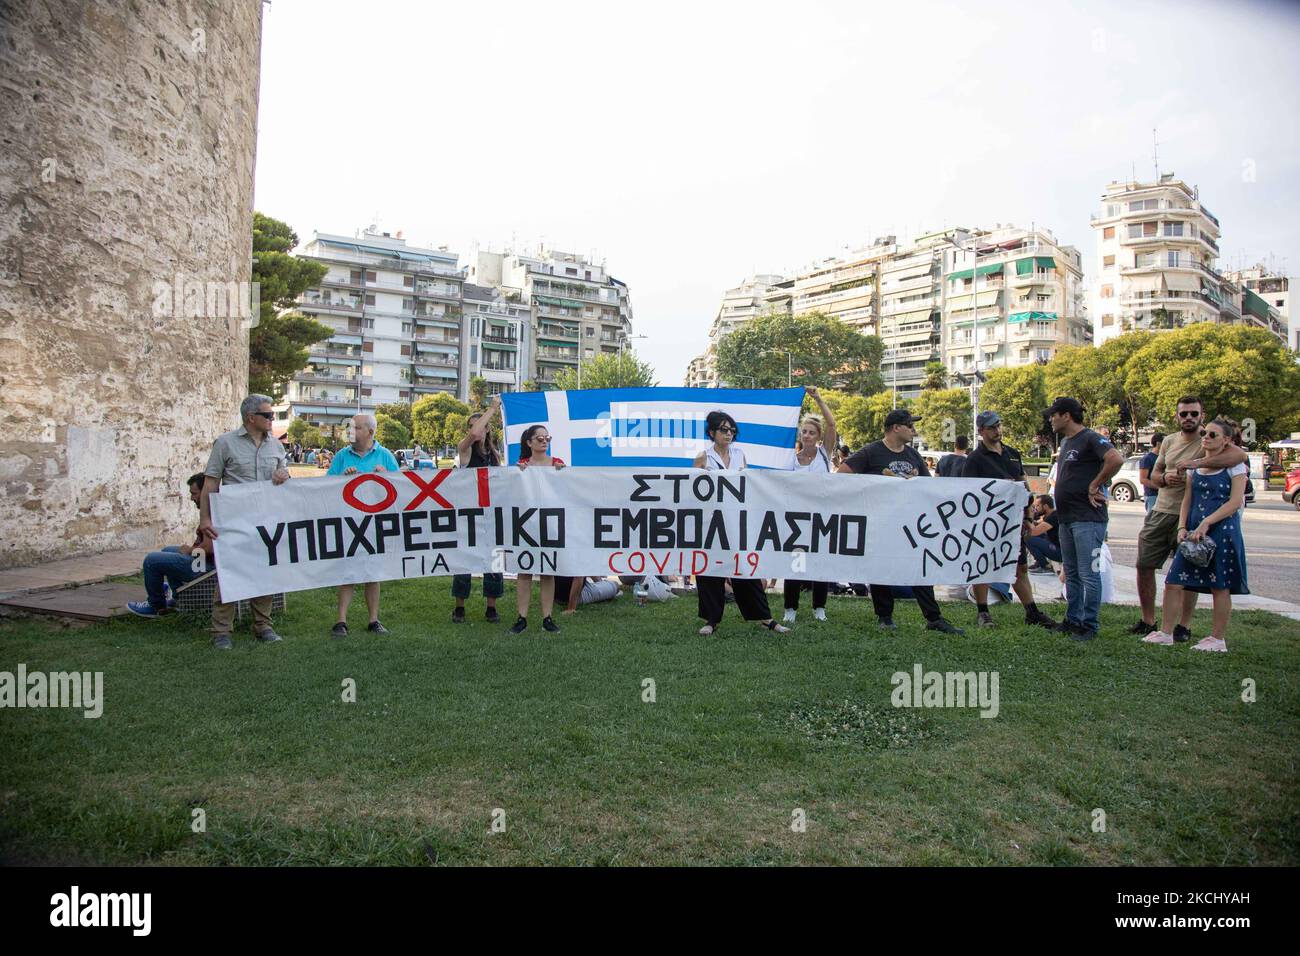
452,722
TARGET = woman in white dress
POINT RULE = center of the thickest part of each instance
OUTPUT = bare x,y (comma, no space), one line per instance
725,455
811,453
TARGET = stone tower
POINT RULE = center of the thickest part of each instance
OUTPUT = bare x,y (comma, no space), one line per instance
127,140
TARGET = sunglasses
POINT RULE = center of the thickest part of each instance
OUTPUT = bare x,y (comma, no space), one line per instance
1192,414
540,438
725,428
269,416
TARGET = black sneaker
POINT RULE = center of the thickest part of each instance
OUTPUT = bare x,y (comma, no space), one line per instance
1143,628
492,616
886,624
458,615
939,624
519,626
374,627
339,630
1039,619
1082,634
1066,627
1182,634
1044,570
549,625
984,619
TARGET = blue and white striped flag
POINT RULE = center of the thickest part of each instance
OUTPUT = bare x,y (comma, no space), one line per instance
653,427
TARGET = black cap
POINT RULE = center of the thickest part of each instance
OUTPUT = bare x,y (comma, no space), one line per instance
900,416
1068,406
988,420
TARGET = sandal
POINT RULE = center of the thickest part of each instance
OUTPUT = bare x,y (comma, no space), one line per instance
775,627
707,630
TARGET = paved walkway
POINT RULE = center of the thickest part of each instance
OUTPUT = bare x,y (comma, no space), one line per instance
70,572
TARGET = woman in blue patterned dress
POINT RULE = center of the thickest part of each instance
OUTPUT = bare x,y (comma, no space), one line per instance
1211,508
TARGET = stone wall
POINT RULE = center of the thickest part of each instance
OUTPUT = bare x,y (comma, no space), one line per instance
127,141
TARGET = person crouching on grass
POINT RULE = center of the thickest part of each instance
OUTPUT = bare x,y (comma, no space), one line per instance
725,455
363,456
534,447
1211,509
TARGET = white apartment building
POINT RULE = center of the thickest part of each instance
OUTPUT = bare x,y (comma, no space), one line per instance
1264,291
1156,248
1012,297
739,307
398,320
576,308
499,336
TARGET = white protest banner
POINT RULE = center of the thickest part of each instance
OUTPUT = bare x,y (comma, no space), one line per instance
763,524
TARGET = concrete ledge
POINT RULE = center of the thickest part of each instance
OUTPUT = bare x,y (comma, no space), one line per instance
71,572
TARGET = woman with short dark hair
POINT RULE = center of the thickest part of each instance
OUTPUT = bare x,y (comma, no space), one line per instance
725,455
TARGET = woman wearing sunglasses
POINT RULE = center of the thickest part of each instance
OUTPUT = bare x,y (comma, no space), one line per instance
1211,509
534,448
725,455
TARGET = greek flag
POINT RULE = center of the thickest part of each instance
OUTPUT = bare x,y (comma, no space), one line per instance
653,427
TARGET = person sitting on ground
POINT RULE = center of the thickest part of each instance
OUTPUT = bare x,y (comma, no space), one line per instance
1044,540
167,570
584,590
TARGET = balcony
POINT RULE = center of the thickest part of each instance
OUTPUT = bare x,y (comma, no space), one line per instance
559,355
329,351
562,291
501,339
557,331
436,290
339,305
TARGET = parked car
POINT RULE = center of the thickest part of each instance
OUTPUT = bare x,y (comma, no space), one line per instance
1125,485
1291,492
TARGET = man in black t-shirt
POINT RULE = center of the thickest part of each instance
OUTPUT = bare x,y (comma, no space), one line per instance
950,466
1086,462
894,455
992,459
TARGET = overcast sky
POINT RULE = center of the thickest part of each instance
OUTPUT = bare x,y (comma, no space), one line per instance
692,144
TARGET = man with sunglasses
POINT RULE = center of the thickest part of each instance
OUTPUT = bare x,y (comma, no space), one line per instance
249,453
1159,535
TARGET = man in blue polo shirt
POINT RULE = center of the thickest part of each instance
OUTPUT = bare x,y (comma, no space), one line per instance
363,456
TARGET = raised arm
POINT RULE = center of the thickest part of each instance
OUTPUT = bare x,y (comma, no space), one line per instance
477,432
830,437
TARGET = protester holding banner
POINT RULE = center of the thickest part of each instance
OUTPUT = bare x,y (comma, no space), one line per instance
811,453
249,453
534,445
1086,463
893,455
363,456
992,459
478,449
725,455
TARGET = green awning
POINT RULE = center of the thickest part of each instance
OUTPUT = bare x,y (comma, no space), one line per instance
1254,305
566,303
991,268
1211,293
1045,262
559,343
1026,266
1032,317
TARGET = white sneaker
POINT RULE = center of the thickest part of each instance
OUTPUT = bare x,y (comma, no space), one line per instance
789,616
819,614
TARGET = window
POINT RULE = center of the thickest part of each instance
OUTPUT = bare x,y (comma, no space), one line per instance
355,277
588,275
406,350
1107,262
473,354
368,371
370,299
1112,210
570,272
408,281
368,323
1107,321
371,277
1108,232
1175,260
367,346
1140,204
1173,229
1108,292
365,393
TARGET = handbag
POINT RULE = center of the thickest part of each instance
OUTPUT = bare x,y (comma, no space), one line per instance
1199,553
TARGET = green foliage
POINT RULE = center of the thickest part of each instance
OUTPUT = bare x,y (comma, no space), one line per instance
478,391
936,376
945,414
391,433
296,428
398,412
609,370
308,435
1095,376
277,346
439,420
824,352
1019,395
861,418
530,385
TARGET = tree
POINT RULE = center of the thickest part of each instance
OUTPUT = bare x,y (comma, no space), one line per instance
439,420
945,414
478,391
861,418
614,370
823,352
1019,395
307,434
277,346
936,376
398,412
1096,377
391,433
296,428
530,385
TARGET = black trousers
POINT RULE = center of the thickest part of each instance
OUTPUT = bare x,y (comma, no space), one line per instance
792,589
750,598
882,599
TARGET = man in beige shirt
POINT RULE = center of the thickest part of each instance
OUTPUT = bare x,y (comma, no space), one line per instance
1159,535
249,453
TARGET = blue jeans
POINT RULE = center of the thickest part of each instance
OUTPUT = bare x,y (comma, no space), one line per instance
173,563
1081,543
1151,502
1043,550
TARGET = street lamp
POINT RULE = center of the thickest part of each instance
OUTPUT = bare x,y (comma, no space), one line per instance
623,340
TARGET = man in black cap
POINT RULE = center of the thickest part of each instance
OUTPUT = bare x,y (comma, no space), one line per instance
992,459
894,455
1086,462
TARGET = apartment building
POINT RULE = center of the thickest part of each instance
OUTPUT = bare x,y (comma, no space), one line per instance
1266,298
1012,296
739,306
577,310
499,336
1156,249
398,319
